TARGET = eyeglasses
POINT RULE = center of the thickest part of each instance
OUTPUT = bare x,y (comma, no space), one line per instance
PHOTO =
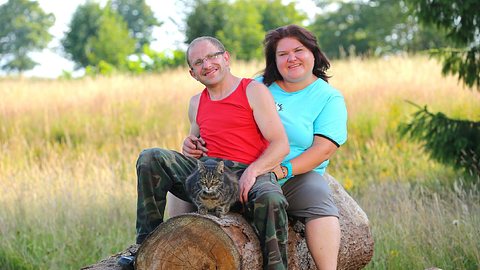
209,57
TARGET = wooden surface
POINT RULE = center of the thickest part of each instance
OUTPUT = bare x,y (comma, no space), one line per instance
194,241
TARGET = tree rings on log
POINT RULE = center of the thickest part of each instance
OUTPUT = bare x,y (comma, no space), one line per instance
194,241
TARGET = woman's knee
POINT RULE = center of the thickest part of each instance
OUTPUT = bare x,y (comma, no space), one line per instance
314,186
321,189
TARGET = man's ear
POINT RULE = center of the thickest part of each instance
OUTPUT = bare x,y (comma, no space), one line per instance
192,73
227,56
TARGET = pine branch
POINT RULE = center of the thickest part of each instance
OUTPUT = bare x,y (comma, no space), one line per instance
450,141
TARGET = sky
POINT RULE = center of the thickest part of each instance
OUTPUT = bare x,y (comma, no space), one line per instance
51,61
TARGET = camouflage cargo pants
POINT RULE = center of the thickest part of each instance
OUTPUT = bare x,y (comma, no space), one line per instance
160,171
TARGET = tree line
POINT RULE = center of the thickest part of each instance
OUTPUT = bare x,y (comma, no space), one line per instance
117,37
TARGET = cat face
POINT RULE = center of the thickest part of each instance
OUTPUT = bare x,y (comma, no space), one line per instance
210,176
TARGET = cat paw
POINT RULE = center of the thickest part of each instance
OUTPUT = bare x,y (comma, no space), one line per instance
220,214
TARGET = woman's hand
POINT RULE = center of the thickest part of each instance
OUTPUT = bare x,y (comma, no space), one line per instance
280,172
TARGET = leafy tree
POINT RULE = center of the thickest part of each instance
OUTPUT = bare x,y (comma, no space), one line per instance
243,32
140,20
83,26
98,36
206,18
159,61
275,14
112,43
23,29
452,141
461,20
240,24
372,27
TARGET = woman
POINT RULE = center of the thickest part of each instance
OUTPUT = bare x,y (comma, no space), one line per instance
315,118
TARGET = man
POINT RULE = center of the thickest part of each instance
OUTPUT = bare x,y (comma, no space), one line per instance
236,120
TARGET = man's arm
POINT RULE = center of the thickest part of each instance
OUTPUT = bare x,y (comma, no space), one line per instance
270,125
193,145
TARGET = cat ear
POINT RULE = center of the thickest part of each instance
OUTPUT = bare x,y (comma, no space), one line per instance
201,166
220,166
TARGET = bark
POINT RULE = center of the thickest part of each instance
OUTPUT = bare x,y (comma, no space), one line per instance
110,263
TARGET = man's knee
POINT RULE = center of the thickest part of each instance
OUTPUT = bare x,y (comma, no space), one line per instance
146,168
146,157
149,157
271,200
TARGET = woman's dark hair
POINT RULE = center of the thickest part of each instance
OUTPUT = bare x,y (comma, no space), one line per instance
271,73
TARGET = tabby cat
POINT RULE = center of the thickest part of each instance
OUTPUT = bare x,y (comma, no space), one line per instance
213,187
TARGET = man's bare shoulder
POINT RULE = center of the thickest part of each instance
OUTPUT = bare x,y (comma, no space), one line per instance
255,88
256,84
258,95
195,99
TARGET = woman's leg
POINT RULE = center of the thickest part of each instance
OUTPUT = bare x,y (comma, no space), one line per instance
310,199
323,241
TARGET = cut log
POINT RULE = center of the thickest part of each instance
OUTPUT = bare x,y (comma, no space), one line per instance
192,241
356,244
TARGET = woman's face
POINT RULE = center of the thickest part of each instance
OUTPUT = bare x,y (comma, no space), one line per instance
294,60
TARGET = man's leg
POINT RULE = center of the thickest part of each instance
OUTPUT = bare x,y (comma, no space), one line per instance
267,206
158,172
176,207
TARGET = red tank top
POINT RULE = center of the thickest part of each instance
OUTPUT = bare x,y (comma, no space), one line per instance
228,127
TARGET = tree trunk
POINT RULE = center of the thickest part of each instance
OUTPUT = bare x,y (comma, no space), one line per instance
193,241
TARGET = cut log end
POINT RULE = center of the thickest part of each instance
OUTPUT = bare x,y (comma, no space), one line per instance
212,243
207,247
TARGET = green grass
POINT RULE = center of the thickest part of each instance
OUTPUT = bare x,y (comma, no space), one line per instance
416,227
67,169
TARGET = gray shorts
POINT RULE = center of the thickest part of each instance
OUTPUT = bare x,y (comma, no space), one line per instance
309,197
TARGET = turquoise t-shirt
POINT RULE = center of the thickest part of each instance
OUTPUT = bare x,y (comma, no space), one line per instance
319,109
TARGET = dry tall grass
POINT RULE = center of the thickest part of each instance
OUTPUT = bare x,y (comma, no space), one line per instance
67,169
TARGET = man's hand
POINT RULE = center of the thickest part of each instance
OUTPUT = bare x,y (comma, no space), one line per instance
246,182
194,147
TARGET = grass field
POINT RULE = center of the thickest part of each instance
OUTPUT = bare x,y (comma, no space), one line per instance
67,169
